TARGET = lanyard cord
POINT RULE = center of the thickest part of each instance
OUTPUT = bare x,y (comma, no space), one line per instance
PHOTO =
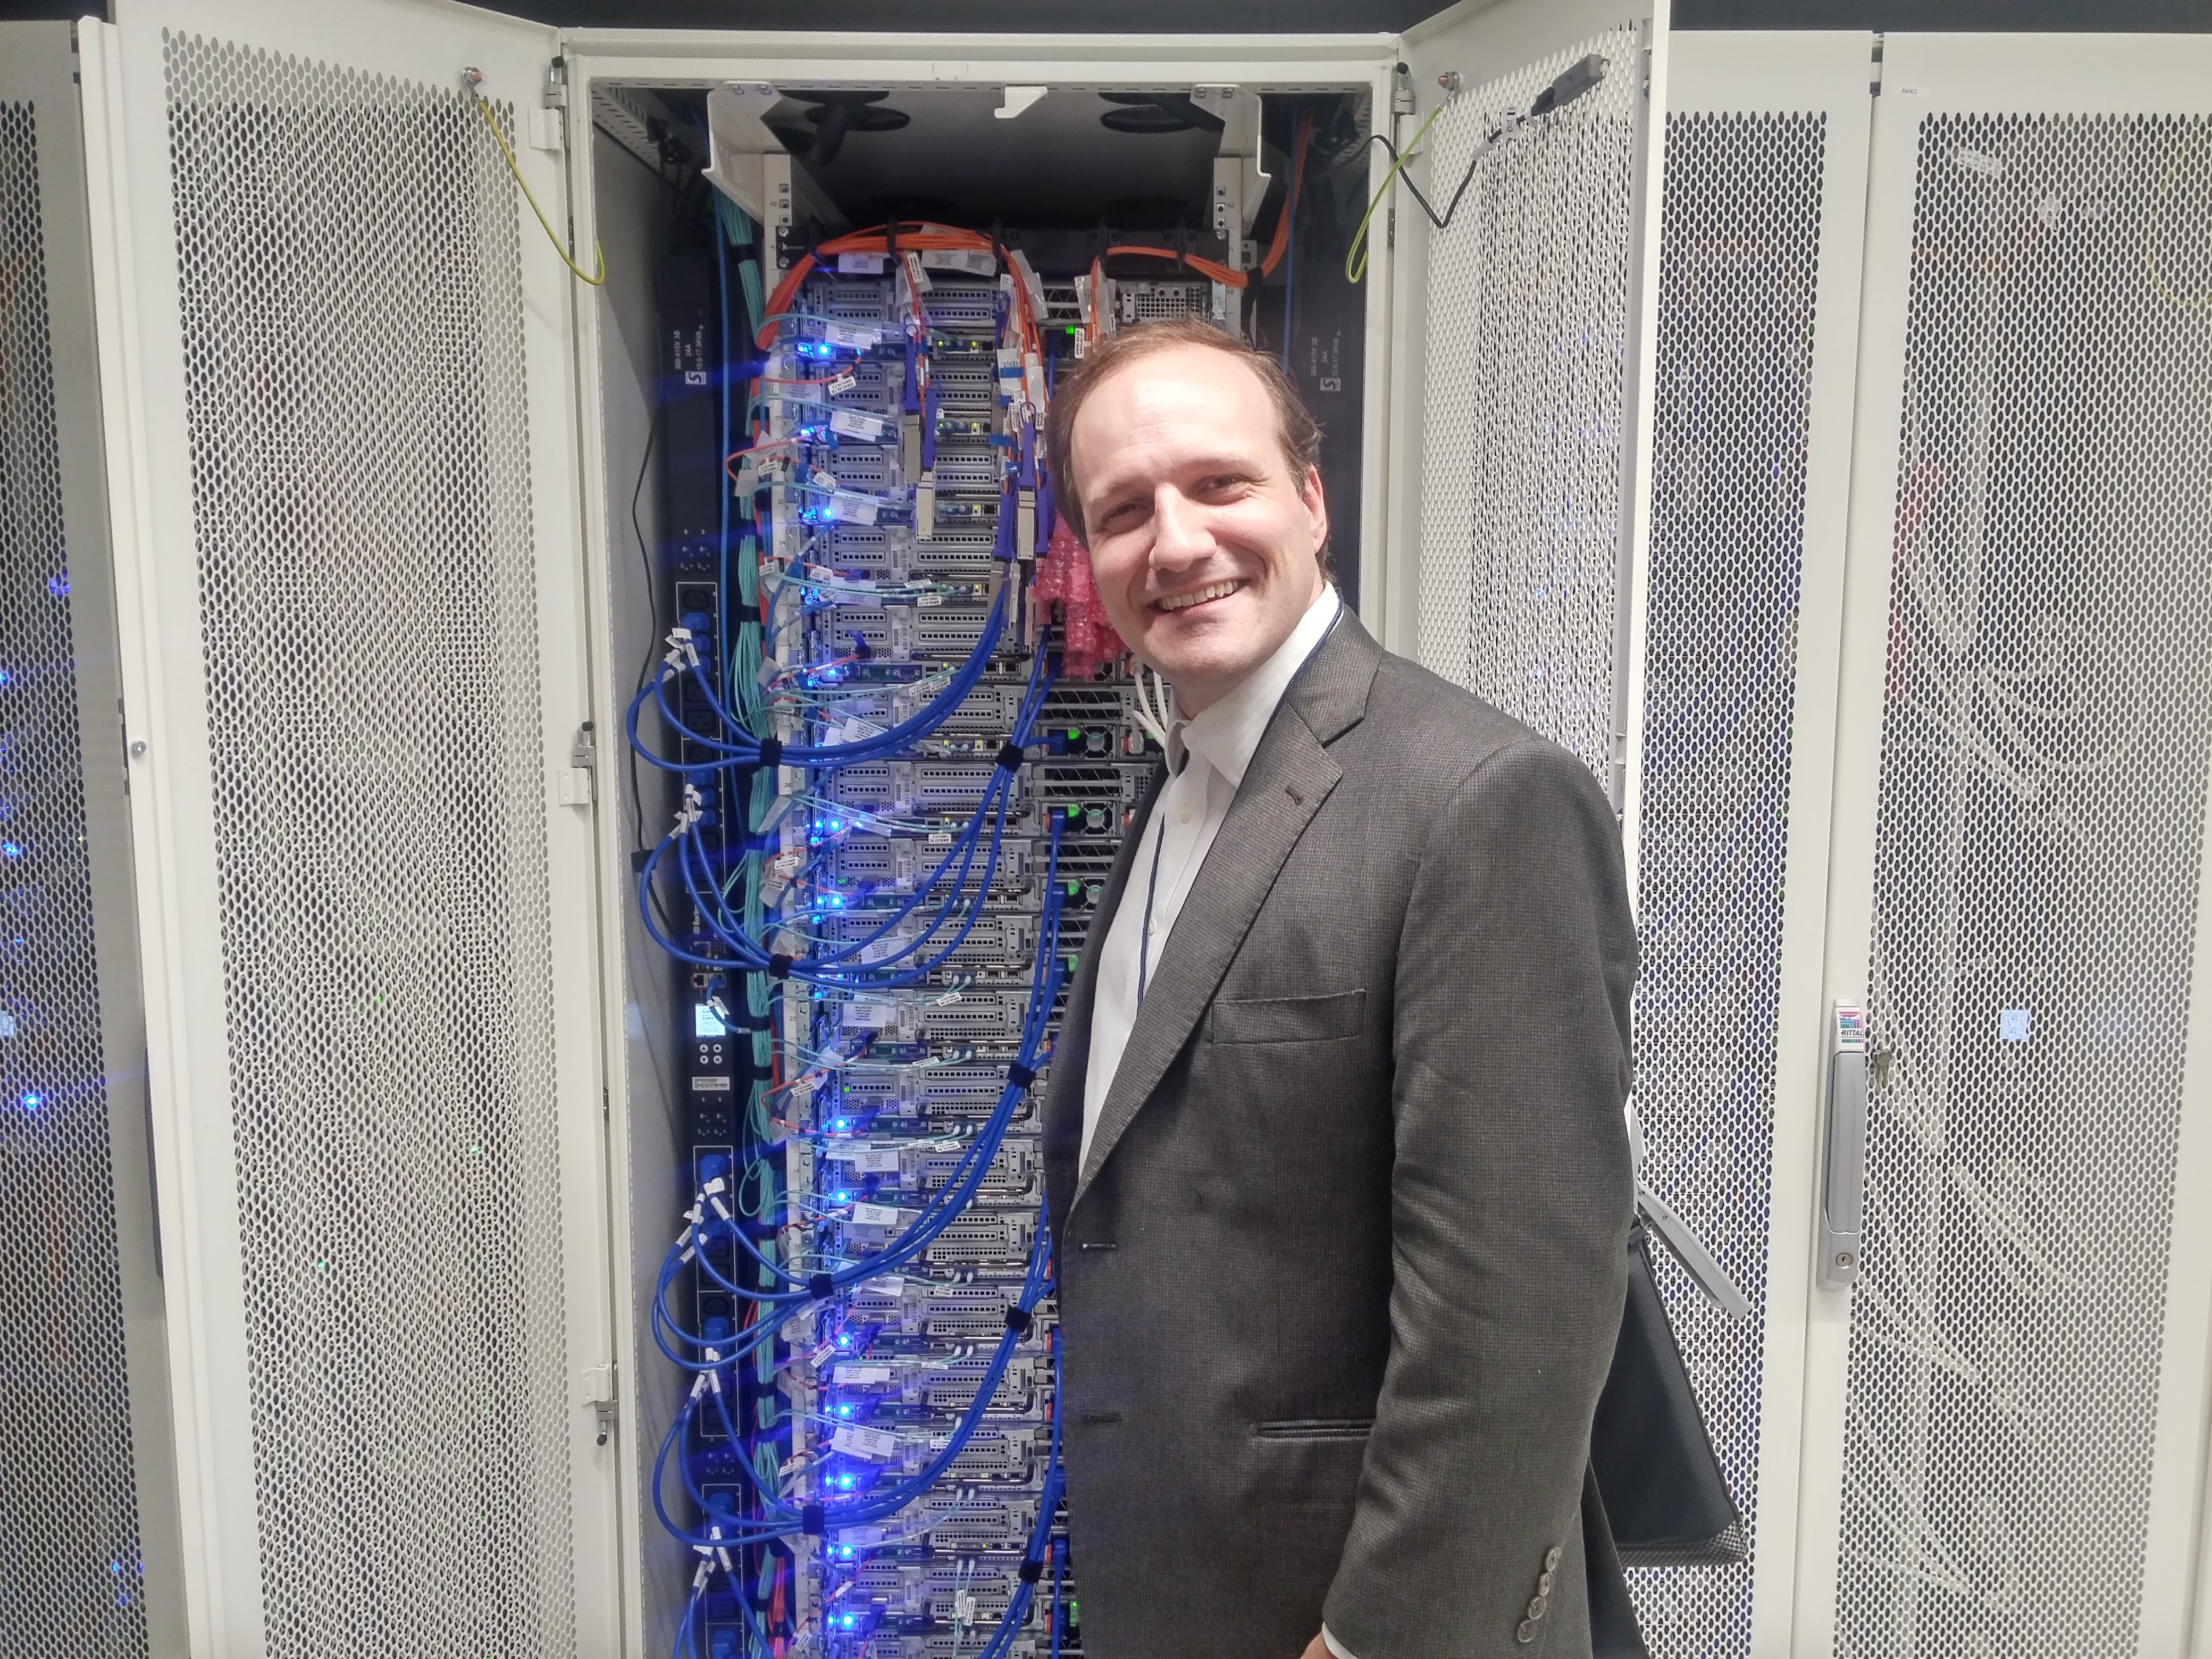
1151,891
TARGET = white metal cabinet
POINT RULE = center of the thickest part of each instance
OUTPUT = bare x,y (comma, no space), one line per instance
1758,277
356,422
340,440
2004,1420
85,1479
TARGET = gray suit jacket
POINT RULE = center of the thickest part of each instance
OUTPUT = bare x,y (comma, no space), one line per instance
1341,1283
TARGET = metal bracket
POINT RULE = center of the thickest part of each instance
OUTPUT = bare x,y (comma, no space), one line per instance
597,1388
1667,1223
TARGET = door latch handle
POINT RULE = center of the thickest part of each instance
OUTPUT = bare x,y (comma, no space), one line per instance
1843,1152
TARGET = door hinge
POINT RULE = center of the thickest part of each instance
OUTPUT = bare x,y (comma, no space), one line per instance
596,1387
548,123
1401,89
576,777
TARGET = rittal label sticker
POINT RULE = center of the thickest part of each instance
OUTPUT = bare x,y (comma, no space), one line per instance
859,264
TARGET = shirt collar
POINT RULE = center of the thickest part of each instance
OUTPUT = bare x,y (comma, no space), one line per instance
1228,733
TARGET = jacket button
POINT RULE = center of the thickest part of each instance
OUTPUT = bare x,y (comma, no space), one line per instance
1526,1632
1544,1585
1536,1608
1552,1560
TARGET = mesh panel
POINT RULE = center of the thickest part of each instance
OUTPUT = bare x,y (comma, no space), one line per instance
2046,723
70,1579
1739,250
1527,295
353,327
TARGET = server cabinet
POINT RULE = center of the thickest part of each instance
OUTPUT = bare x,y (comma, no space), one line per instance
339,436
1729,800
1797,428
2005,1420
86,1480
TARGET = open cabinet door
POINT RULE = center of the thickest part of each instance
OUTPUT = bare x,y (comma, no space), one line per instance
335,344
1520,336
2006,1422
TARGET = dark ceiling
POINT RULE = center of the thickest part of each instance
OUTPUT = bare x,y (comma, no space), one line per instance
1279,16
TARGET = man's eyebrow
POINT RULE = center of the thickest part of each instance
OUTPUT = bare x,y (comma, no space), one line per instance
1204,466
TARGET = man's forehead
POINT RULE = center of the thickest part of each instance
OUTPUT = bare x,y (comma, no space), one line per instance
1174,392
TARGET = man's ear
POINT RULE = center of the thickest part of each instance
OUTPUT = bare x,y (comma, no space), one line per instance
1316,505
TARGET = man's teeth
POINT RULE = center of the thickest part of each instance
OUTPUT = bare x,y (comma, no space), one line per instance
1184,601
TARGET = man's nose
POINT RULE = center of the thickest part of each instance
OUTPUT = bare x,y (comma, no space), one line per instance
1180,535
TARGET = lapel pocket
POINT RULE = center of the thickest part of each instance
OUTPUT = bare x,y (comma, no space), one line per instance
1287,1020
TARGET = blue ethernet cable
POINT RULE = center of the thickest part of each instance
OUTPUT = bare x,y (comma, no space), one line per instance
784,1520
828,969
683,658
785,1524
938,1214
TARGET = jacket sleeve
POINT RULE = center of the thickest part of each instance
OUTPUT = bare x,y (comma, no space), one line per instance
1510,1198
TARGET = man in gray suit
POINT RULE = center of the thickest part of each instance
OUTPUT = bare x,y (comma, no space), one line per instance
1335,1151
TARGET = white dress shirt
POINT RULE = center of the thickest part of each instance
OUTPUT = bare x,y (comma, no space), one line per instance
1208,755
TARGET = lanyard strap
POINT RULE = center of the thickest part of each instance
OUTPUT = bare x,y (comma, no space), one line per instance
1152,888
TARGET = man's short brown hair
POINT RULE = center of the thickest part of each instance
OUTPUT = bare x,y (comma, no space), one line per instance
1296,430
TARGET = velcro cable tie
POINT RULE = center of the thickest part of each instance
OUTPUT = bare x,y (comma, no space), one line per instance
1020,1075
1019,1320
1031,1571
809,1520
778,966
821,1284
771,752
1010,757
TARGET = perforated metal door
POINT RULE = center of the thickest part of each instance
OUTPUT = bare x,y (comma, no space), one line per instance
1739,293
72,1575
369,610
1527,295
2016,1362
381,1052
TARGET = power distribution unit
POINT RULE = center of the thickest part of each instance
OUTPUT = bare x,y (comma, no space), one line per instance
619,751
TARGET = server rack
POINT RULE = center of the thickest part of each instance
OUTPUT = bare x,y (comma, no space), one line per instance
1717,670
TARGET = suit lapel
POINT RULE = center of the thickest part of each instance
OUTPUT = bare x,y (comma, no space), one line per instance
1071,1057
1290,776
